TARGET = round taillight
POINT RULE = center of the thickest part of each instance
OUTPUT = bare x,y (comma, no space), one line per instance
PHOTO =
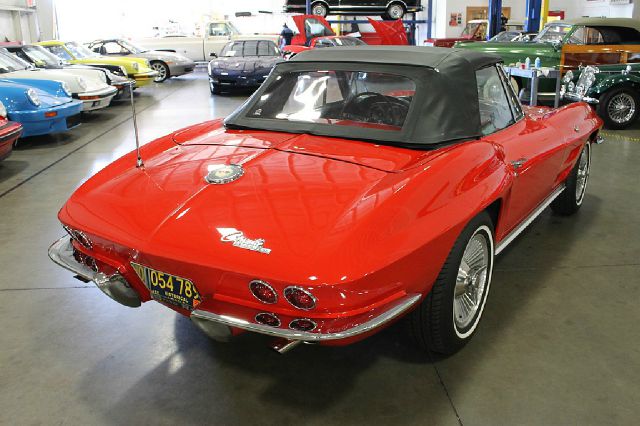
300,298
263,292
267,318
302,324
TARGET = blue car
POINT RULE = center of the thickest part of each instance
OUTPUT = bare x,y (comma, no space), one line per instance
41,106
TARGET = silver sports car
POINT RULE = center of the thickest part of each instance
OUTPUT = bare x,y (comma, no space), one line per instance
167,64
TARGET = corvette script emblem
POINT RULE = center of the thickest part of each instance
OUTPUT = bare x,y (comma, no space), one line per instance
232,235
222,173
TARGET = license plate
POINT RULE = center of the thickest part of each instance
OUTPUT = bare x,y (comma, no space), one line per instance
95,103
168,288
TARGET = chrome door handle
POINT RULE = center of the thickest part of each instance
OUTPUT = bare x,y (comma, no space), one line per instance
518,163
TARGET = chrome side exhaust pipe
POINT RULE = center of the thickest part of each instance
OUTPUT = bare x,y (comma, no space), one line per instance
283,345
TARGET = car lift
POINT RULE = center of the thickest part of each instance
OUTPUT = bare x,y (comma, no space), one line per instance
532,22
495,18
410,23
532,19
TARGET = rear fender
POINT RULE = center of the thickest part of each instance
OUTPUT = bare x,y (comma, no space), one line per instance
419,213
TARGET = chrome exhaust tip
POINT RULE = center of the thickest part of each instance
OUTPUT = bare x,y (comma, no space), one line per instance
283,346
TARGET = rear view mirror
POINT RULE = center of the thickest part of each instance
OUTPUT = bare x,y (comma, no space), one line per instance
213,55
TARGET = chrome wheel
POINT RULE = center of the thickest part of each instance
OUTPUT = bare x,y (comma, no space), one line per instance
471,281
161,69
621,108
582,175
395,11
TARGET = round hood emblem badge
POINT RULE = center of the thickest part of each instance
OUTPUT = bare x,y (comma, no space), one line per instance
223,173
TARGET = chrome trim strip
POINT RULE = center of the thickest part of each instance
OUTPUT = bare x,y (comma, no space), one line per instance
574,97
523,225
400,306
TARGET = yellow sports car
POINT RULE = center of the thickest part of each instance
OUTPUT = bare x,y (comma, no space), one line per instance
76,53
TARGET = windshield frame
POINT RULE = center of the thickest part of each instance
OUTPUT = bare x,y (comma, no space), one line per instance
19,64
131,47
467,31
79,51
538,38
50,60
505,36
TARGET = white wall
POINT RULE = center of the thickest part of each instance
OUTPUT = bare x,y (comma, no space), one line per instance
446,7
17,22
607,8
130,18
126,18
572,9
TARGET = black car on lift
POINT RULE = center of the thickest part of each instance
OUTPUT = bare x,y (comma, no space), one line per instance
388,9
242,64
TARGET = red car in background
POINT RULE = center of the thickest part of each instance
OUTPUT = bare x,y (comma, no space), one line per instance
321,42
9,133
475,30
356,186
312,27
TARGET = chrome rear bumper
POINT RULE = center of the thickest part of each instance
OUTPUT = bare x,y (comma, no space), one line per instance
114,286
397,308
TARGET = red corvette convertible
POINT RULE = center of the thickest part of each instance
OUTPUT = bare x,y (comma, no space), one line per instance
357,185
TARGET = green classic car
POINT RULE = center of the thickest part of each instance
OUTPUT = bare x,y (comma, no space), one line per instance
549,43
614,91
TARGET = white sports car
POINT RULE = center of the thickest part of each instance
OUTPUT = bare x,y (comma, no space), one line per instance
89,86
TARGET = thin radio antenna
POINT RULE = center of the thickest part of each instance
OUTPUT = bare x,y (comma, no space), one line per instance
139,162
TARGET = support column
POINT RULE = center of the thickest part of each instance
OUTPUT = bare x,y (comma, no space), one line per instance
495,15
544,13
532,19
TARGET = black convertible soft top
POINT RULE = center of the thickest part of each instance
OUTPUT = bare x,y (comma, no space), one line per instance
444,108
444,59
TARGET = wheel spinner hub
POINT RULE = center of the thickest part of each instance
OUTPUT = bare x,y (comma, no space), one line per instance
471,281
